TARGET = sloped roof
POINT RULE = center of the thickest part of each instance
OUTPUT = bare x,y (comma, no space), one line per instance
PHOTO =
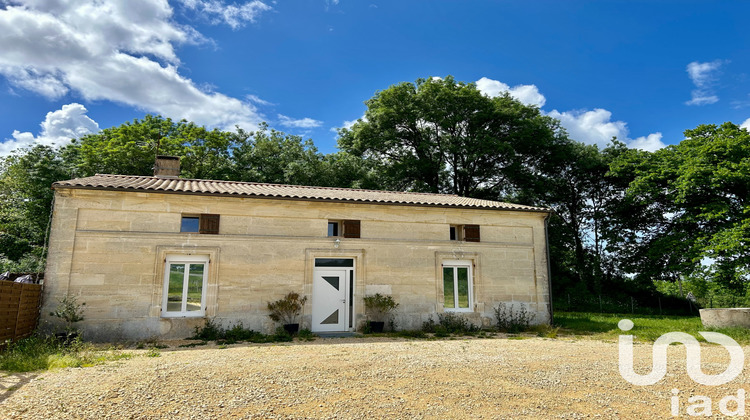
294,192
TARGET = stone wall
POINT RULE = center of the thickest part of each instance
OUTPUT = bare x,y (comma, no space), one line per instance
108,248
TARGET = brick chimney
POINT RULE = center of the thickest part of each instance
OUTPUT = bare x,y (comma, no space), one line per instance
167,166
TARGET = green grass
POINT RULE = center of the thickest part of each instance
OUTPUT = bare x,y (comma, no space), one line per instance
647,327
46,353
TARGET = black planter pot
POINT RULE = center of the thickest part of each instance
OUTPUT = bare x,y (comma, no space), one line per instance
376,326
292,329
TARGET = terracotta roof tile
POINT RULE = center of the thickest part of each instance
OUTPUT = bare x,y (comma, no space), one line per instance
253,189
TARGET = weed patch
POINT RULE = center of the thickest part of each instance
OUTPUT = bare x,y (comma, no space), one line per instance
450,324
513,318
44,353
237,333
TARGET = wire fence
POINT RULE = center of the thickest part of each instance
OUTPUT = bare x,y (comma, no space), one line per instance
723,301
642,304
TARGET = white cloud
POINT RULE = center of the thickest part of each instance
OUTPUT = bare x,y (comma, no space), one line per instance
527,94
650,143
590,127
118,50
232,14
30,79
257,100
58,128
348,124
703,76
746,124
300,123
597,127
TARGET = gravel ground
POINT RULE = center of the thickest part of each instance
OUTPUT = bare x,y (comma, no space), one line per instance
367,378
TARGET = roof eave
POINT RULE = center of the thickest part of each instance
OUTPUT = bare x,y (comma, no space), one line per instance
272,197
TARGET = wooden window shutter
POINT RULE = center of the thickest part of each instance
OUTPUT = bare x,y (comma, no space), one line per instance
209,223
351,228
471,233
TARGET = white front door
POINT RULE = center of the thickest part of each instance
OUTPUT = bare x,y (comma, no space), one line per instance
331,305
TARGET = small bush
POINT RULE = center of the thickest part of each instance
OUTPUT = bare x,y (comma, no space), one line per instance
287,309
70,311
511,320
211,331
450,323
306,335
281,335
238,333
379,307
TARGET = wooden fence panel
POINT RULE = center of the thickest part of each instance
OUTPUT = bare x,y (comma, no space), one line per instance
19,309
28,310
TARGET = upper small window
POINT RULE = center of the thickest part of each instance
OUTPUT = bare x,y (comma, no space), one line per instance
190,224
345,228
455,233
468,233
204,223
333,228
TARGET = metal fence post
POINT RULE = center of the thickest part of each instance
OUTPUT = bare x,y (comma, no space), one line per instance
659,297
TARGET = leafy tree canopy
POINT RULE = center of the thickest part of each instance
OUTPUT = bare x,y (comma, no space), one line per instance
689,206
439,135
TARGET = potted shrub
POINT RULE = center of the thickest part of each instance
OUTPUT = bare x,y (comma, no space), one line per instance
287,310
70,311
379,308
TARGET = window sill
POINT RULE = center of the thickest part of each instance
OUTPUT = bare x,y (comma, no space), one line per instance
457,310
182,315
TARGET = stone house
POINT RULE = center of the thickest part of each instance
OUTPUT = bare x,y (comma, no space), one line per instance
157,256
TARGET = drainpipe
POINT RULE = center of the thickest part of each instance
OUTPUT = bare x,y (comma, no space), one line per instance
549,269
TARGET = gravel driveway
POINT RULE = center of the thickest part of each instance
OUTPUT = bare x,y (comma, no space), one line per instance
367,378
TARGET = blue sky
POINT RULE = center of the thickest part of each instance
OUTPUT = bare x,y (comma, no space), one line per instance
643,71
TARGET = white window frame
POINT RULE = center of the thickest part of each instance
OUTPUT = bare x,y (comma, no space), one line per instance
184,259
459,229
339,229
455,264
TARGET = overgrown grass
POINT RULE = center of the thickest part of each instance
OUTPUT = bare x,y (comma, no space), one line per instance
44,353
647,327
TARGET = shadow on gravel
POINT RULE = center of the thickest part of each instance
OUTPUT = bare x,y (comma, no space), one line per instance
13,382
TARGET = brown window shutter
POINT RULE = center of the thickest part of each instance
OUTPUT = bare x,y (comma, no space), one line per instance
351,228
209,223
471,233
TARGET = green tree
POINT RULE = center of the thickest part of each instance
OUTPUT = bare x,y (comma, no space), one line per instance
26,202
688,207
439,135
275,157
131,148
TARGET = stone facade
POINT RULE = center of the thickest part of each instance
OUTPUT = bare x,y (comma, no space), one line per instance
108,248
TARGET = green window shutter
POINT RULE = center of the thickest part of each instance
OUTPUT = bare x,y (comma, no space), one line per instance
209,224
471,233
351,228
